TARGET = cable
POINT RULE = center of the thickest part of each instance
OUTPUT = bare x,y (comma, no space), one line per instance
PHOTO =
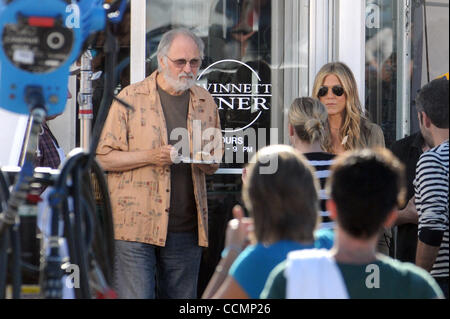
89,233
104,216
4,244
80,231
4,192
4,238
16,270
426,39
51,279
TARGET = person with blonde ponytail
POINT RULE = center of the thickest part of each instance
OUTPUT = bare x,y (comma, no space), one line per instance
309,134
336,88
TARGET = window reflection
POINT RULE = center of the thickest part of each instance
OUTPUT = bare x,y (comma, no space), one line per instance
238,51
236,70
382,75
237,36
381,66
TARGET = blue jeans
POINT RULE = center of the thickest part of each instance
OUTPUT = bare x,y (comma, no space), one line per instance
144,271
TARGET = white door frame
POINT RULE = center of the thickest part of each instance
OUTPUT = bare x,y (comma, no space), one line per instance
137,40
351,39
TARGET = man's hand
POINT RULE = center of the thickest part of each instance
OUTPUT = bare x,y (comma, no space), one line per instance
239,230
408,215
206,168
164,156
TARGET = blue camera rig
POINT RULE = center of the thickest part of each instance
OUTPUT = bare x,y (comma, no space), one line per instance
39,40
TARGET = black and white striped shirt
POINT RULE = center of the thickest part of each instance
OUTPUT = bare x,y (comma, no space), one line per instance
431,191
322,162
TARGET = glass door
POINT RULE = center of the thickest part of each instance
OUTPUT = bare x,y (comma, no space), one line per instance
394,63
256,63
255,54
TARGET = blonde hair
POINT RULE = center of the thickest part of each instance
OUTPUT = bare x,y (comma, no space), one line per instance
309,118
285,204
354,124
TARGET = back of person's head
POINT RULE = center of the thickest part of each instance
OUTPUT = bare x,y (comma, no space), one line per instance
366,186
433,100
284,204
309,118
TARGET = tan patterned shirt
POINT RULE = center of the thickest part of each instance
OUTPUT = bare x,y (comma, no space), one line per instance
140,197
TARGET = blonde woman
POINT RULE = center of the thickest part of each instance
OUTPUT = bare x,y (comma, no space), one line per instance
309,134
336,88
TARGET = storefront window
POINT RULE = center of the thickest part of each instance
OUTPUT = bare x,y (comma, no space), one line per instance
381,62
236,68
256,55
384,53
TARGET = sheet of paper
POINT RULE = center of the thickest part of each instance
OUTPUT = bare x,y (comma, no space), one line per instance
188,160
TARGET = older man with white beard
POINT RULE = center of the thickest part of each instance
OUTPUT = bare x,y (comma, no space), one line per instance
159,204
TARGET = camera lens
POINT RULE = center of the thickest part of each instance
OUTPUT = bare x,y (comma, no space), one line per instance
55,40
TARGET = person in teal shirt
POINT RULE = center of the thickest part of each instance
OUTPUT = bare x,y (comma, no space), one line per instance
283,205
366,187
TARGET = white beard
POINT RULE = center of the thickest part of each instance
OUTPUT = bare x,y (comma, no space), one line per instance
179,84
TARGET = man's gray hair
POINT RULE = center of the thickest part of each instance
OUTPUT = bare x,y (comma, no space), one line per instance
168,37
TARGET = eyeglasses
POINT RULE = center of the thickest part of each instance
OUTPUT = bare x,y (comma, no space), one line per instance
337,90
180,63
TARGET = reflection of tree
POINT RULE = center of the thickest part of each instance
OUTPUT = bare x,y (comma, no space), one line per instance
389,98
379,48
381,97
381,69
244,31
253,28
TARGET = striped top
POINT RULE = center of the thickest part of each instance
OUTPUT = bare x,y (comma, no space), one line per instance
322,162
431,191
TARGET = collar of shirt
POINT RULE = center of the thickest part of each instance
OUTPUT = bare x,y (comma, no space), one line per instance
148,87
